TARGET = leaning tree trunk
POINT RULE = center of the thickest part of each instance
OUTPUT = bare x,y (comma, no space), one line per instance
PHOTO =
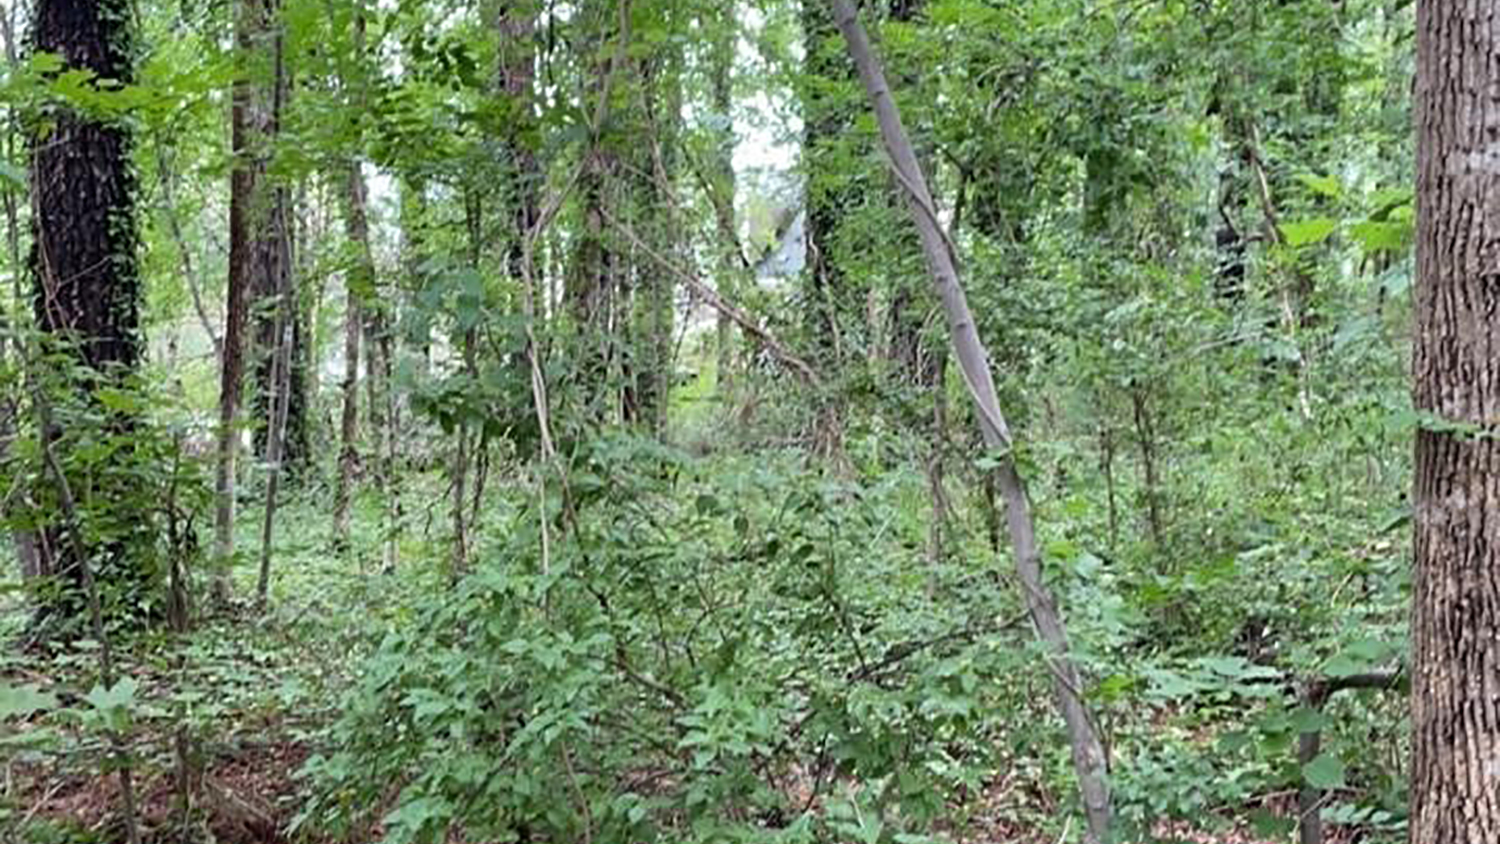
1455,649
83,261
1089,759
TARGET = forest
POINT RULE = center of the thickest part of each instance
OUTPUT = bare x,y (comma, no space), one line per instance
750,421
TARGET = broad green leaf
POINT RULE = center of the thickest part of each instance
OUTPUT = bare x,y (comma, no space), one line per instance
1375,236
1326,771
23,700
1308,720
1321,185
1308,232
119,696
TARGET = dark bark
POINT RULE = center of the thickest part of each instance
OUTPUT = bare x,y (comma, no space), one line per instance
266,251
83,266
1314,695
83,258
1456,591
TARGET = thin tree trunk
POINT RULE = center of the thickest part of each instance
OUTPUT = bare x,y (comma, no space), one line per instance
1145,435
1089,759
190,277
1456,501
359,283
279,266
281,380
722,189
474,218
937,540
381,416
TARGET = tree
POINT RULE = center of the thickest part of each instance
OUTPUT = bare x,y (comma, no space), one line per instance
1455,726
359,283
83,263
1088,749
254,208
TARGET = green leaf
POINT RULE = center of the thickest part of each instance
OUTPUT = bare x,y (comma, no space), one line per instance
1375,236
1308,232
120,696
1308,720
23,700
1324,772
1321,185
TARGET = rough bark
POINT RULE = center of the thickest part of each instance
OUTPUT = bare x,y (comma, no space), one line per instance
83,263
83,197
1088,750
1456,592
273,283
251,127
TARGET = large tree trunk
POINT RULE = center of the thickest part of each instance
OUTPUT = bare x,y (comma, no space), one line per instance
1089,758
1455,649
253,125
592,286
83,263
283,401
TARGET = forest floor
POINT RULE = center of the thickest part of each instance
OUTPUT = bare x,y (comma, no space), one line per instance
220,721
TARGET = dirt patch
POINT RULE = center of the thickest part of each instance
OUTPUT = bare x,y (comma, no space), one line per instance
242,793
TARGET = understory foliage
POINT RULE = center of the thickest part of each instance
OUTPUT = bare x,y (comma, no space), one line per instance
683,669
635,495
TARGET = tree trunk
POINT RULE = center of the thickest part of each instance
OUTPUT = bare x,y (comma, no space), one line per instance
282,402
1089,759
826,122
1456,593
252,120
83,262
359,283
722,186
268,64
